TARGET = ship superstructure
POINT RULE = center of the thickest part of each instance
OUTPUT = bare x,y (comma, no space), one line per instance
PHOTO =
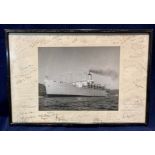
79,88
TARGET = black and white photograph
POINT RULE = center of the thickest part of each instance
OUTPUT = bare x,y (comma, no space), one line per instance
78,78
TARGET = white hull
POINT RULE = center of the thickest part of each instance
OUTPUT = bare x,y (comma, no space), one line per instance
66,89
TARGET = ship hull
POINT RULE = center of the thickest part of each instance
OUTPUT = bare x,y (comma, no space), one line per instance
66,89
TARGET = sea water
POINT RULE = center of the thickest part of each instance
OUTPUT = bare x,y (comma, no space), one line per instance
109,102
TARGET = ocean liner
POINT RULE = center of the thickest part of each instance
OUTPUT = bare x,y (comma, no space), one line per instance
79,88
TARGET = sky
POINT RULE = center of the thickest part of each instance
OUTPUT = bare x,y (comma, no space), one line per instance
72,64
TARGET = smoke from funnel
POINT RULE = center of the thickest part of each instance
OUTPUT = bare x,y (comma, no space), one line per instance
106,72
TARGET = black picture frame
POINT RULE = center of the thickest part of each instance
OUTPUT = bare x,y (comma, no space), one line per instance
81,31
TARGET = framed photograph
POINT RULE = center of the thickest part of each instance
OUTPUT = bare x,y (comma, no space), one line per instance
78,76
